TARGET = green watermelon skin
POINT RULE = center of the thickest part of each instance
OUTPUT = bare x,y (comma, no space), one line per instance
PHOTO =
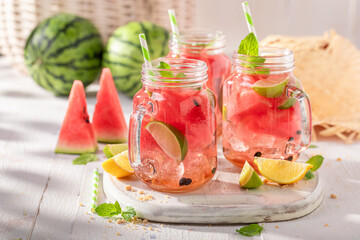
61,49
123,55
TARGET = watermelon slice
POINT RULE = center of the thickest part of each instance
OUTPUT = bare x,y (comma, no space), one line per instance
76,134
108,121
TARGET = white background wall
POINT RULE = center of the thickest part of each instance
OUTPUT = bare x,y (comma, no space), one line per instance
286,17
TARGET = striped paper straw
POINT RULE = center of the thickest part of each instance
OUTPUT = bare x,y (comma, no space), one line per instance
94,192
145,50
173,22
248,17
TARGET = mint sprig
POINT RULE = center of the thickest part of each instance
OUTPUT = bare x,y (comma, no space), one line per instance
312,146
110,210
85,158
316,161
250,230
249,46
168,74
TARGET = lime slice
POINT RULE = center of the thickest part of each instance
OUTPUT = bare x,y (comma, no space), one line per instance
270,89
288,103
224,113
249,178
282,171
111,150
211,97
170,139
122,160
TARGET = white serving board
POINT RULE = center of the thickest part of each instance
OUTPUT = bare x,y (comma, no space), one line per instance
219,201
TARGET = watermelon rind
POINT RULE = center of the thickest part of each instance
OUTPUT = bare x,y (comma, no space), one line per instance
63,48
123,55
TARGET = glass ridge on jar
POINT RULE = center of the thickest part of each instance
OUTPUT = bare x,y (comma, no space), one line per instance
266,113
207,46
184,104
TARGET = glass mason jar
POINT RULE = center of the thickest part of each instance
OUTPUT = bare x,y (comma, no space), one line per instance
207,46
172,142
266,113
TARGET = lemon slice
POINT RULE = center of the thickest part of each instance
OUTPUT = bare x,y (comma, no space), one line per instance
113,169
170,139
111,150
249,178
122,160
270,89
282,171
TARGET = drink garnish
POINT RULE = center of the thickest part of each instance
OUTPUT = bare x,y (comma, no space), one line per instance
270,89
249,46
250,230
249,178
168,74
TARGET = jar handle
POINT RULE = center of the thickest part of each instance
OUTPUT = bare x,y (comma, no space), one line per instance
135,131
305,110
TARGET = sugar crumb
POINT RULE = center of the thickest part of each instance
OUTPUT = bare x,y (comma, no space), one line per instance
80,204
326,225
128,188
162,225
118,234
92,218
150,228
339,159
89,221
333,196
276,226
141,192
167,196
145,198
145,221
338,205
109,221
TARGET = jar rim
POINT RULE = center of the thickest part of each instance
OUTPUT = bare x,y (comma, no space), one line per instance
278,60
193,72
200,38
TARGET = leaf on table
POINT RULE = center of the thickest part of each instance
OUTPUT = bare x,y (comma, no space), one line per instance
316,161
129,213
85,158
108,209
250,230
309,175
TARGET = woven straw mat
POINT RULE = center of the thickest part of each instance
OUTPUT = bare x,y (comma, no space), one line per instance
329,68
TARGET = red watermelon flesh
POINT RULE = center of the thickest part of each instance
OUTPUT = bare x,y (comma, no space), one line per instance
108,121
76,133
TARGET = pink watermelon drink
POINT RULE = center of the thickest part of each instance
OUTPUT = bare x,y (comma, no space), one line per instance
172,141
265,111
208,47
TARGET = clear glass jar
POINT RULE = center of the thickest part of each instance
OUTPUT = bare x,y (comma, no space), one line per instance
172,142
207,46
266,113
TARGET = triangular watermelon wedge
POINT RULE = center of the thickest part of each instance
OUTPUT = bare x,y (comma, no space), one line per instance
108,121
76,134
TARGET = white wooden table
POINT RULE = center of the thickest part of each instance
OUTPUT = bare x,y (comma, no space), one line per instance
41,193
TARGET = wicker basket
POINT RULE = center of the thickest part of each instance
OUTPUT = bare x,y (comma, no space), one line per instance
19,17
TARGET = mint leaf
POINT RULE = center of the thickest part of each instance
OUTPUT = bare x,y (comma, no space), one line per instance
129,213
312,146
117,206
163,65
249,46
250,230
316,161
85,158
180,75
309,175
166,74
108,209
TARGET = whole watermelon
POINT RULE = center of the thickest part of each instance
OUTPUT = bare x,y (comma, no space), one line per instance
61,49
124,57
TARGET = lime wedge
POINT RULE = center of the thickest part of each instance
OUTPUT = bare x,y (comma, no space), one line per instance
249,178
270,89
288,103
170,139
111,150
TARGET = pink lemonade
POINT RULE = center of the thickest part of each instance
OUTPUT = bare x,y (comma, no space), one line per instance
208,47
269,124
186,107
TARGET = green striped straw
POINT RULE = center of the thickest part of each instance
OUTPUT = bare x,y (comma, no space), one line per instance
173,22
145,50
94,192
249,20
